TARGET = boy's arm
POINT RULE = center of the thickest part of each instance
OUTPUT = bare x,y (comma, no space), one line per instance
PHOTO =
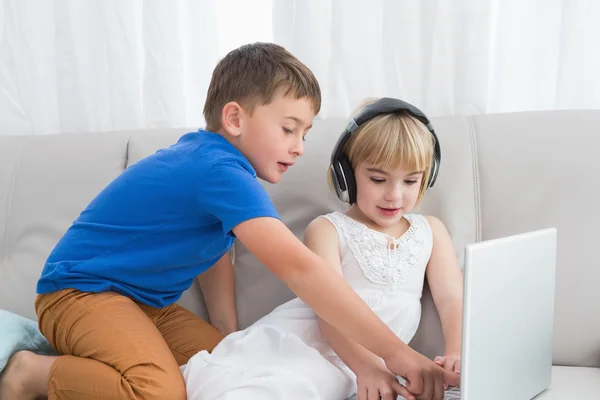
218,288
373,378
312,280
326,292
445,281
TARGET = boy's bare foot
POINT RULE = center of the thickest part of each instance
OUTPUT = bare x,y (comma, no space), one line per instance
13,380
25,376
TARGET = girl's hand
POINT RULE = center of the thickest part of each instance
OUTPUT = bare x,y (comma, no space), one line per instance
449,363
375,382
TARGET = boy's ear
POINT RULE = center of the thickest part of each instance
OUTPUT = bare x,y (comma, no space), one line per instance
231,118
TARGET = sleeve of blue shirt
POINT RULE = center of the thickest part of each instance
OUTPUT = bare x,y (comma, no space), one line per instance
232,194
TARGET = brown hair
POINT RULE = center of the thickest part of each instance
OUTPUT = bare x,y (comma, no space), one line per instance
391,141
252,74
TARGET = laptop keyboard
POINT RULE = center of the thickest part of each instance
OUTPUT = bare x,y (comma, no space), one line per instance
452,394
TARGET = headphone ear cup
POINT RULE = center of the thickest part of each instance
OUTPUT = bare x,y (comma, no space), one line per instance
350,180
433,174
435,168
337,179
437,158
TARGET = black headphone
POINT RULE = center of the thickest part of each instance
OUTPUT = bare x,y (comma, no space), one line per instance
341,169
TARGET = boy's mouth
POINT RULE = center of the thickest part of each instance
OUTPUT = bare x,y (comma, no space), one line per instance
285,165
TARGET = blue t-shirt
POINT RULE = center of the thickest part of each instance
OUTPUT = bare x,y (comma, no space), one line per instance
162,222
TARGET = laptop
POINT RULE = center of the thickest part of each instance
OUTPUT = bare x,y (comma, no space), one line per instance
508,317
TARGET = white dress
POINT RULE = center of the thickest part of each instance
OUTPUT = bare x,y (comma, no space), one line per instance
284,356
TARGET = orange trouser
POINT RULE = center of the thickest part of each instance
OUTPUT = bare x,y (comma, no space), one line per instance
113,348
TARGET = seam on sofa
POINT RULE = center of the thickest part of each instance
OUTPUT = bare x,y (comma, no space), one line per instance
232,253
127,152
476,188
9,204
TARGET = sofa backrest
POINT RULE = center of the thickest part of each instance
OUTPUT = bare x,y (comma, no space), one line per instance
500,175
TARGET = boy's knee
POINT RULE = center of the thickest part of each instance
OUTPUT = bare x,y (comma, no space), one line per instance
156,383
172,388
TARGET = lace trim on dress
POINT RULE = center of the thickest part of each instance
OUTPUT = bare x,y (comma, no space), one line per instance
385,260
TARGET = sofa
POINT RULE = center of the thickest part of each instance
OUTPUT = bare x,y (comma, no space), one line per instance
501,174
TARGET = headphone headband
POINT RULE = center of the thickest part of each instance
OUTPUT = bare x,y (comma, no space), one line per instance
341,169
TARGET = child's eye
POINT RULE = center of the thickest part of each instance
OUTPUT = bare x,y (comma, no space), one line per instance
377,180
288,131
411,181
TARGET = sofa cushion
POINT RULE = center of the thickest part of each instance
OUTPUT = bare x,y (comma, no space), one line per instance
303,194
46,182
573,383
300,197
540,169
142,144
455,201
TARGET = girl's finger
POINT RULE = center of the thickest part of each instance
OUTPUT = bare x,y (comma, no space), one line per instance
373,394
362,393
402,391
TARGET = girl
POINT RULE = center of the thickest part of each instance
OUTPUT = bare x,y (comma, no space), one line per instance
382,165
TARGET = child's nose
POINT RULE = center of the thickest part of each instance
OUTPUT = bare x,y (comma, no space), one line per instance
298,149
395,194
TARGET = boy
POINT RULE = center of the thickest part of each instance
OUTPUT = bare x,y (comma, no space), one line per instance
108,290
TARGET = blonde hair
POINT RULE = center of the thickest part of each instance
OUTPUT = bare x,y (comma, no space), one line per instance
252,74
392,141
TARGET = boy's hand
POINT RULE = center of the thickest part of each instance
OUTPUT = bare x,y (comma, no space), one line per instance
375,382
449,363
424,378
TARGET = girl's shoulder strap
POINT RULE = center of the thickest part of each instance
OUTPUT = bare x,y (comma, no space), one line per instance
420,229
418,220
336,219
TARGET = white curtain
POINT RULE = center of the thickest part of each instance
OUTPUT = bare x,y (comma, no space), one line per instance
96,65
448,56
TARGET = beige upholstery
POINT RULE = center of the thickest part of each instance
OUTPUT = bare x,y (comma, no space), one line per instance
500,174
